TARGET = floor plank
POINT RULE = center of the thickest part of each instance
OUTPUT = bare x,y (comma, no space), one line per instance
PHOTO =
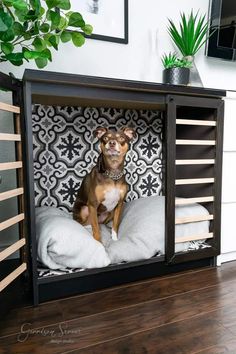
106,326
182,337
186,336
36,316
228,347
116,298
192,312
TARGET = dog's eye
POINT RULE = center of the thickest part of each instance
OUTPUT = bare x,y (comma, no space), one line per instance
105,139
121,139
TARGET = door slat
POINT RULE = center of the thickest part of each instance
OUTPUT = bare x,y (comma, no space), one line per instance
195,142
9,108
10,137
12,221
12,249
184,181
208,123
10,165
12,276
195,162
185,201
11,193
196,218
194,237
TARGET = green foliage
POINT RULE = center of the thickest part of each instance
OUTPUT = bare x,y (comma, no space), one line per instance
192,33
30,28
170,61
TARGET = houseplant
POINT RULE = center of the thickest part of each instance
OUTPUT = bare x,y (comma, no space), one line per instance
176,71
191,36
29,29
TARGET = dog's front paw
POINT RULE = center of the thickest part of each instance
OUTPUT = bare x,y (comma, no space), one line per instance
114,235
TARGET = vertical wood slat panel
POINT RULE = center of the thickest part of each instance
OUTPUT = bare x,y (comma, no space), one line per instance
20,182
211,139
13,193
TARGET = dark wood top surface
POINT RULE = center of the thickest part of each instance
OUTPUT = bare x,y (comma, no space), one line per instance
49,77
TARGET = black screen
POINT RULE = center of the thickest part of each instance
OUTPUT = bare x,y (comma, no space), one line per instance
227,30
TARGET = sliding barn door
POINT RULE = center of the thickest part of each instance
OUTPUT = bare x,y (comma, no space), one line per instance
194,159
12,217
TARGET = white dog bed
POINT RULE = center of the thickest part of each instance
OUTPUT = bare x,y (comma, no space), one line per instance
62,242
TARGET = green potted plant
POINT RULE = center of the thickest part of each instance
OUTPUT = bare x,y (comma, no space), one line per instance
29,29
189,38
176,71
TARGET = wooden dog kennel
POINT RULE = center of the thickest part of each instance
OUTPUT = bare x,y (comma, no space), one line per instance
192,159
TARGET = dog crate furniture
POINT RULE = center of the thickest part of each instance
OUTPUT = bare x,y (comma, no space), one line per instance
191,168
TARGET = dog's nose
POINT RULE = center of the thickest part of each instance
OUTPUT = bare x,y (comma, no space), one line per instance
112,143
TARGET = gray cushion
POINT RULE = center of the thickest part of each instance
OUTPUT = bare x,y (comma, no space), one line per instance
142,230
63,242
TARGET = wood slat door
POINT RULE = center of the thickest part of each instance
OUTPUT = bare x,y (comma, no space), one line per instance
14,88
193,171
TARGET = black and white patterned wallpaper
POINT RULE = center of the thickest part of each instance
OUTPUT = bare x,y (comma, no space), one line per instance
65,150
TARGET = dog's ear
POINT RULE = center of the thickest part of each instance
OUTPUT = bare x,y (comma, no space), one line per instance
129,132
99,132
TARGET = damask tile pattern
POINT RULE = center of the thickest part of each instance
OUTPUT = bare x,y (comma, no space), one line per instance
65,150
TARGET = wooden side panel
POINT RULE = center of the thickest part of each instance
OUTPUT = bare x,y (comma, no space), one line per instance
17,192
199,131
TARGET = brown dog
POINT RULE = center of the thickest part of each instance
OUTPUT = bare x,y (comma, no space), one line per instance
102,192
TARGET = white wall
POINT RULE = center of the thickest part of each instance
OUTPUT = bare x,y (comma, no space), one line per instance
228,211
140,59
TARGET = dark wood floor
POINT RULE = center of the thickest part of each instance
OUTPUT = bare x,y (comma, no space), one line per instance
190,312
